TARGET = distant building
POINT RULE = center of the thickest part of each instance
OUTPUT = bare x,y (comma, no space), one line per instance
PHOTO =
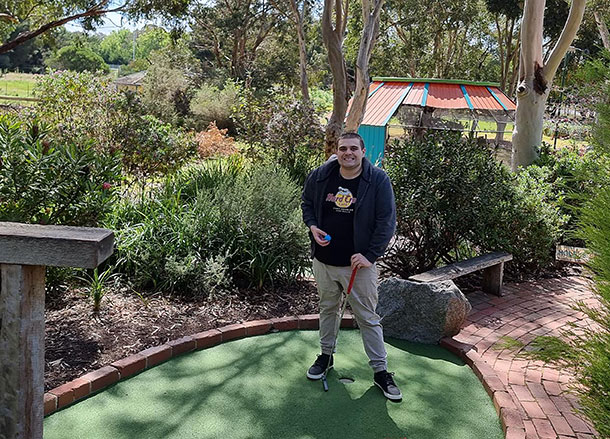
131,82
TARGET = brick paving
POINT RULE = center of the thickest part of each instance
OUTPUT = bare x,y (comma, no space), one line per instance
534,399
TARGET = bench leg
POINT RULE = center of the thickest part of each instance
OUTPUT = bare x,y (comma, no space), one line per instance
21,351
492,279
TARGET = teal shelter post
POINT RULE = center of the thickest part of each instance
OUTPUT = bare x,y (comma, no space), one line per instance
374,142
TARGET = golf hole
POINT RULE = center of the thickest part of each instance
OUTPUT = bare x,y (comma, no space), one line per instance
346,380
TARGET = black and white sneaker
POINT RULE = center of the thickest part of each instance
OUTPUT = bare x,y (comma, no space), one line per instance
316,371
386,383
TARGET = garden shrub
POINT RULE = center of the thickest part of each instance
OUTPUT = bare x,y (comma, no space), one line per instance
263,226
212,226
295,138
211,104
84,109
46,182
575,177
43,181
593,348
452,195
214,142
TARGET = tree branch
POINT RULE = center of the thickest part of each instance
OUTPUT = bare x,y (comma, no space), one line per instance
577,10
26,36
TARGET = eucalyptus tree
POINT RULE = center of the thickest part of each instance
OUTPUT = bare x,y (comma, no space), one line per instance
536,76
334,25
233,32
45,15
435,39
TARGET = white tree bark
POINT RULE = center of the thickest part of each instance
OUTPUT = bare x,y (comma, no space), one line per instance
298,17
603,29
536,77
370,30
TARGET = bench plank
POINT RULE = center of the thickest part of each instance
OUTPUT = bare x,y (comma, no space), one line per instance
55,246
458,269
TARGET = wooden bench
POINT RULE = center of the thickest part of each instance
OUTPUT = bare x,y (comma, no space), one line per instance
492,265
25,250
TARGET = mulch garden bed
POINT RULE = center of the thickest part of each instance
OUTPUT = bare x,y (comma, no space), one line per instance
77,340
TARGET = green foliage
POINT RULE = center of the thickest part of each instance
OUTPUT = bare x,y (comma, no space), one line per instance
97,285
167,90
592,349
46,182
147,145
295,139
78,59
573,178
84,109
507,343
211,104
550,350
450,191
210,226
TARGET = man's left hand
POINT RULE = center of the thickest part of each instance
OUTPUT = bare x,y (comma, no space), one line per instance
359,261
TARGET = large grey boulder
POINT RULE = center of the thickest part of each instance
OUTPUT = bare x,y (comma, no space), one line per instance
421,312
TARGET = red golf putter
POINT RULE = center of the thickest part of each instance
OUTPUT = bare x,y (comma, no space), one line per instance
349,290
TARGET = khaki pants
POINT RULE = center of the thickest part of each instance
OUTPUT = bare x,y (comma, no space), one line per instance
332,281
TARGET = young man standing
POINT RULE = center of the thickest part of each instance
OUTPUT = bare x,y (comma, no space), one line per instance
352,201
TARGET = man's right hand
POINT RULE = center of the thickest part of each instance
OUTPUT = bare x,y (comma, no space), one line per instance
319,235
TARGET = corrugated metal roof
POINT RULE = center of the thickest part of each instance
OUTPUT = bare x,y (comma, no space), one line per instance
389,93
381,103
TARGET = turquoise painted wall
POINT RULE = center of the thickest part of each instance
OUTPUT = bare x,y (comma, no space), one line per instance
374,141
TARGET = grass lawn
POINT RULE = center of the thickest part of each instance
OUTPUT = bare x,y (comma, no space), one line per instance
17,84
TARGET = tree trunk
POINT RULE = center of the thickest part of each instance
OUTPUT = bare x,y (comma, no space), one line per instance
367,42
333,40
603,30
298,19
537,77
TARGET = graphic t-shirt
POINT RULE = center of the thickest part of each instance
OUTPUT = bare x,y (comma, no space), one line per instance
338,220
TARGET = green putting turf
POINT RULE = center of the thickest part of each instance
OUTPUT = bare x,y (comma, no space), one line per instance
256,388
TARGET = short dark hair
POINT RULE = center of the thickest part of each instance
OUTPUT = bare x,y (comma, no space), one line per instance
352,136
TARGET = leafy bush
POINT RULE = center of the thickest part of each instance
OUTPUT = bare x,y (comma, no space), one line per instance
211,104
211,225
84,109
452,195
575,178
78,59
295,139
169,84
45,182
214,142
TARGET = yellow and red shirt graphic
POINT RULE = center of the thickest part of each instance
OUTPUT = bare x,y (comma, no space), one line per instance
343,200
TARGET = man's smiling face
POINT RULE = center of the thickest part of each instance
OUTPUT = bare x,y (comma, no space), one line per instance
350,153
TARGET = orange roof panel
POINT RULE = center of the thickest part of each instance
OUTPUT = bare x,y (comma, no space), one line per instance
446,96
481,98
415,95
383,102
372,87
510,105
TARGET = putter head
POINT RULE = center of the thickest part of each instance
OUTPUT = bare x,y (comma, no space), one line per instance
325,383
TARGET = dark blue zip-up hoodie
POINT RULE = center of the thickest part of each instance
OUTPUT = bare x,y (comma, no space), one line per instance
375,214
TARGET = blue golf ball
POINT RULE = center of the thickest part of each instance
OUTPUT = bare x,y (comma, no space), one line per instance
327,238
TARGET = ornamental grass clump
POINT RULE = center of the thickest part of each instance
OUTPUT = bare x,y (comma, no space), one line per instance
211,227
